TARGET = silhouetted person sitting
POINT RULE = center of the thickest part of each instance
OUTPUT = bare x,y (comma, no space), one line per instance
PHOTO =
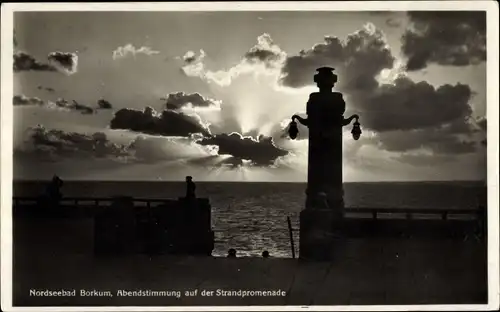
53,190
190,188
231,253
265,254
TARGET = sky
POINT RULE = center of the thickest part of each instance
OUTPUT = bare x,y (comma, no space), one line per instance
161,95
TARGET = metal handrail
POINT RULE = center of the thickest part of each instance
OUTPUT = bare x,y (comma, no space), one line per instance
96,200
375,212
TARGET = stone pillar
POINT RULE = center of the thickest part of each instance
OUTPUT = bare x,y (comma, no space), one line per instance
324,194
317,235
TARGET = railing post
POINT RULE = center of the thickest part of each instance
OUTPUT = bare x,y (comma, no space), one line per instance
290,231
444,216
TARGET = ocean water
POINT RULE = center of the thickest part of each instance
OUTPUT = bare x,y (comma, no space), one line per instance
251,217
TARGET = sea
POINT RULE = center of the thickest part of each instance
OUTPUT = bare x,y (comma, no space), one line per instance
252,216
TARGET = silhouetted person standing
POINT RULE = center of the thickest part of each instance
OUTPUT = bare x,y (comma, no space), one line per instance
190,188
53,190
231,253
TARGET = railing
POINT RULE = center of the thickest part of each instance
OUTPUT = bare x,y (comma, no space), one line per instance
410,213
86,201
374,213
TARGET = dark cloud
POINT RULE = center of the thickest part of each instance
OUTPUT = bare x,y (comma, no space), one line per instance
456,38
437,141
393,22
180,99
58,61
261,55
48,89
103,104
190,57
25,62
74,106
409,116
54,144
407,105
358,60
65,61
482,124
259,152
266,51
168,123
19,100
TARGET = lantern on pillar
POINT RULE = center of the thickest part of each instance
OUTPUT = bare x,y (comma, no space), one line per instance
293,130
356,130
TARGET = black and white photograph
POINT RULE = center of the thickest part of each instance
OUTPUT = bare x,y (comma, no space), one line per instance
248,155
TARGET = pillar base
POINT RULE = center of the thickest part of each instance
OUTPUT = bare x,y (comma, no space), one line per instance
318,236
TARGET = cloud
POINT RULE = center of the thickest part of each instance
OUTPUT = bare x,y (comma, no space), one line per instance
168,123
22,100
62,103
423,159
266,51
258,152
407,105
190,57
56,144
436,141
482,123
25,62
398,115
149,148
19,100
66,62
393,22
103,104
129,49
48,89
180,100
265,57
451,38
358,60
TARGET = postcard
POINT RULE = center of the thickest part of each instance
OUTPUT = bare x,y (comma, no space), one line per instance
250,156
